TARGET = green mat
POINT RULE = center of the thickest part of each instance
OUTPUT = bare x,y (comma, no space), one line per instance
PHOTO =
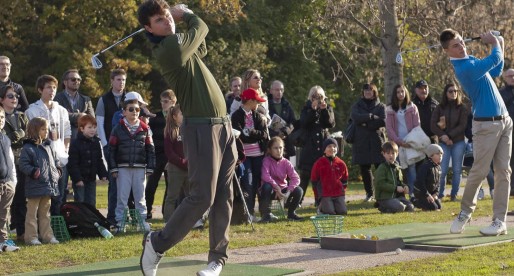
168,266
434,234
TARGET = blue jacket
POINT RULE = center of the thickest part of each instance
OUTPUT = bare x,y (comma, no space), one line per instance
476,77
42,157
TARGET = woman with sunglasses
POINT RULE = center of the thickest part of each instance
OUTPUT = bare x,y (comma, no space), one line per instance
252,79
449,121
15,126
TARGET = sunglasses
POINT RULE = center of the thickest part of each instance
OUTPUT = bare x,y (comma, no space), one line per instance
132,109
75,79
453,90
257,78
12,96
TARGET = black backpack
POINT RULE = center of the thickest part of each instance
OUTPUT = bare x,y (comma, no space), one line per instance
80,219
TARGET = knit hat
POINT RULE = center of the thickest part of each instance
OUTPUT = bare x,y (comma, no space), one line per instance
329,141
433,149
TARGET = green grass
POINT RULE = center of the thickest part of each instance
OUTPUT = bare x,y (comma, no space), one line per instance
361,215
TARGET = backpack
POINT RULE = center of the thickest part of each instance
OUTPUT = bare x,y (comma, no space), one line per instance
80,219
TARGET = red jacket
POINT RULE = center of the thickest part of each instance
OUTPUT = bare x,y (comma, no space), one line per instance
332,175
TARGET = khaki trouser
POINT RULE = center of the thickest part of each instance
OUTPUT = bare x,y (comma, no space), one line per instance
6,196
38,215
211,154
177,182
492,141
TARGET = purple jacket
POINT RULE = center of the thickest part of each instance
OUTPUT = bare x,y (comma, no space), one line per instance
276,172
411,120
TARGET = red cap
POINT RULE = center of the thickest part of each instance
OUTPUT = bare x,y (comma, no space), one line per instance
251,94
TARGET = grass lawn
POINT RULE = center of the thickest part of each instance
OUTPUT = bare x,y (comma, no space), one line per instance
83,251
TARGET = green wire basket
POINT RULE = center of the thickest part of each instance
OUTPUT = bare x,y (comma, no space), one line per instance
327,225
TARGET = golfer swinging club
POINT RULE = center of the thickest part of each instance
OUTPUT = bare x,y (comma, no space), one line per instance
208,141
492,128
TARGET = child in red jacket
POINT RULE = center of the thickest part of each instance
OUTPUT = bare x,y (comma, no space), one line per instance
332,174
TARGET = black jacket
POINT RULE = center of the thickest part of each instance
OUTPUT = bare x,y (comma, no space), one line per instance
85,159
131,151
16,133
507,93
369,132
83,105
157,125
259,134
316,122
425,109
287,114
427,179
23,103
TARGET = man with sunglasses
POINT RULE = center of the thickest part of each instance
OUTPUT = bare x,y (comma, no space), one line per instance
5,71
77,104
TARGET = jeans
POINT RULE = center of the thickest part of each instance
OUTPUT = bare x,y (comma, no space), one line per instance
411,178
251,180
454,152
86,193
112,192
58,201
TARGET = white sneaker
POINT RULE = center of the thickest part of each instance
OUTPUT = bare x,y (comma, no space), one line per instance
34,242
213,269
198,224
150,259
459,223
496,228
53,241
8,246
147,227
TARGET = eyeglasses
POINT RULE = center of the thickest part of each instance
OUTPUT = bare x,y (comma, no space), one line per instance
75,79
12,96
453,90
5,64
257,78
132,109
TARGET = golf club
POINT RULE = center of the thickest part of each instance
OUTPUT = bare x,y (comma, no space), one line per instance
399,58
245,208
95,61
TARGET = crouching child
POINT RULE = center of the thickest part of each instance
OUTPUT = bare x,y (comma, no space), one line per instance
426,187
389,190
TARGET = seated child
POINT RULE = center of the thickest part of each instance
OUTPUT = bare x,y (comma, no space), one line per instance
86,161
389,190
426,187
275,173
332,174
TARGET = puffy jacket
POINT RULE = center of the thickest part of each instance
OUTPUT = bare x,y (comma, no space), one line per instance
387,178
427,179
40,157
456,118
85,159
131,151
257,135
316,122
332,175
16,133
369,132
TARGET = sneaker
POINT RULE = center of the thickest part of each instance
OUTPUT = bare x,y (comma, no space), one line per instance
481,194
8,246
369,198
146,226
459,223
496,228
53,241
150,259
294,217
198,224
273,217
453,198
34,242
213,269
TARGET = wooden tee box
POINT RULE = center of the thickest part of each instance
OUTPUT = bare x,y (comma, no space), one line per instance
344,243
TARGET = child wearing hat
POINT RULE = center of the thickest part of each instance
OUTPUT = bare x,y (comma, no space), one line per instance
330,177
390,191
426,187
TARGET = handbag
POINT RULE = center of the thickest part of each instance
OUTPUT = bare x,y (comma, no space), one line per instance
349,133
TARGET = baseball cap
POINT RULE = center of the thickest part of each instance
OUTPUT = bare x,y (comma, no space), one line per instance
421,83
251,94
130,96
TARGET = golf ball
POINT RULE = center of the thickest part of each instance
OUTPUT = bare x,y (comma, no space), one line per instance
398,250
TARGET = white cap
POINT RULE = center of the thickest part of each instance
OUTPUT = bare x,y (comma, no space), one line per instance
134,96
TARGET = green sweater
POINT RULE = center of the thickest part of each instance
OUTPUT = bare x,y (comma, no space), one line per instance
387,178
179,57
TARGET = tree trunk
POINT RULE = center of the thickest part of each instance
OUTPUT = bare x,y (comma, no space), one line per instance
393,72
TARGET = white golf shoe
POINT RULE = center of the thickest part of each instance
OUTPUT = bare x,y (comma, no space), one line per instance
149,258
459,223
213,269
496,228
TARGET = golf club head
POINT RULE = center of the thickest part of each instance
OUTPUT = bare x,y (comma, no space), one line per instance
95,61
399,58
